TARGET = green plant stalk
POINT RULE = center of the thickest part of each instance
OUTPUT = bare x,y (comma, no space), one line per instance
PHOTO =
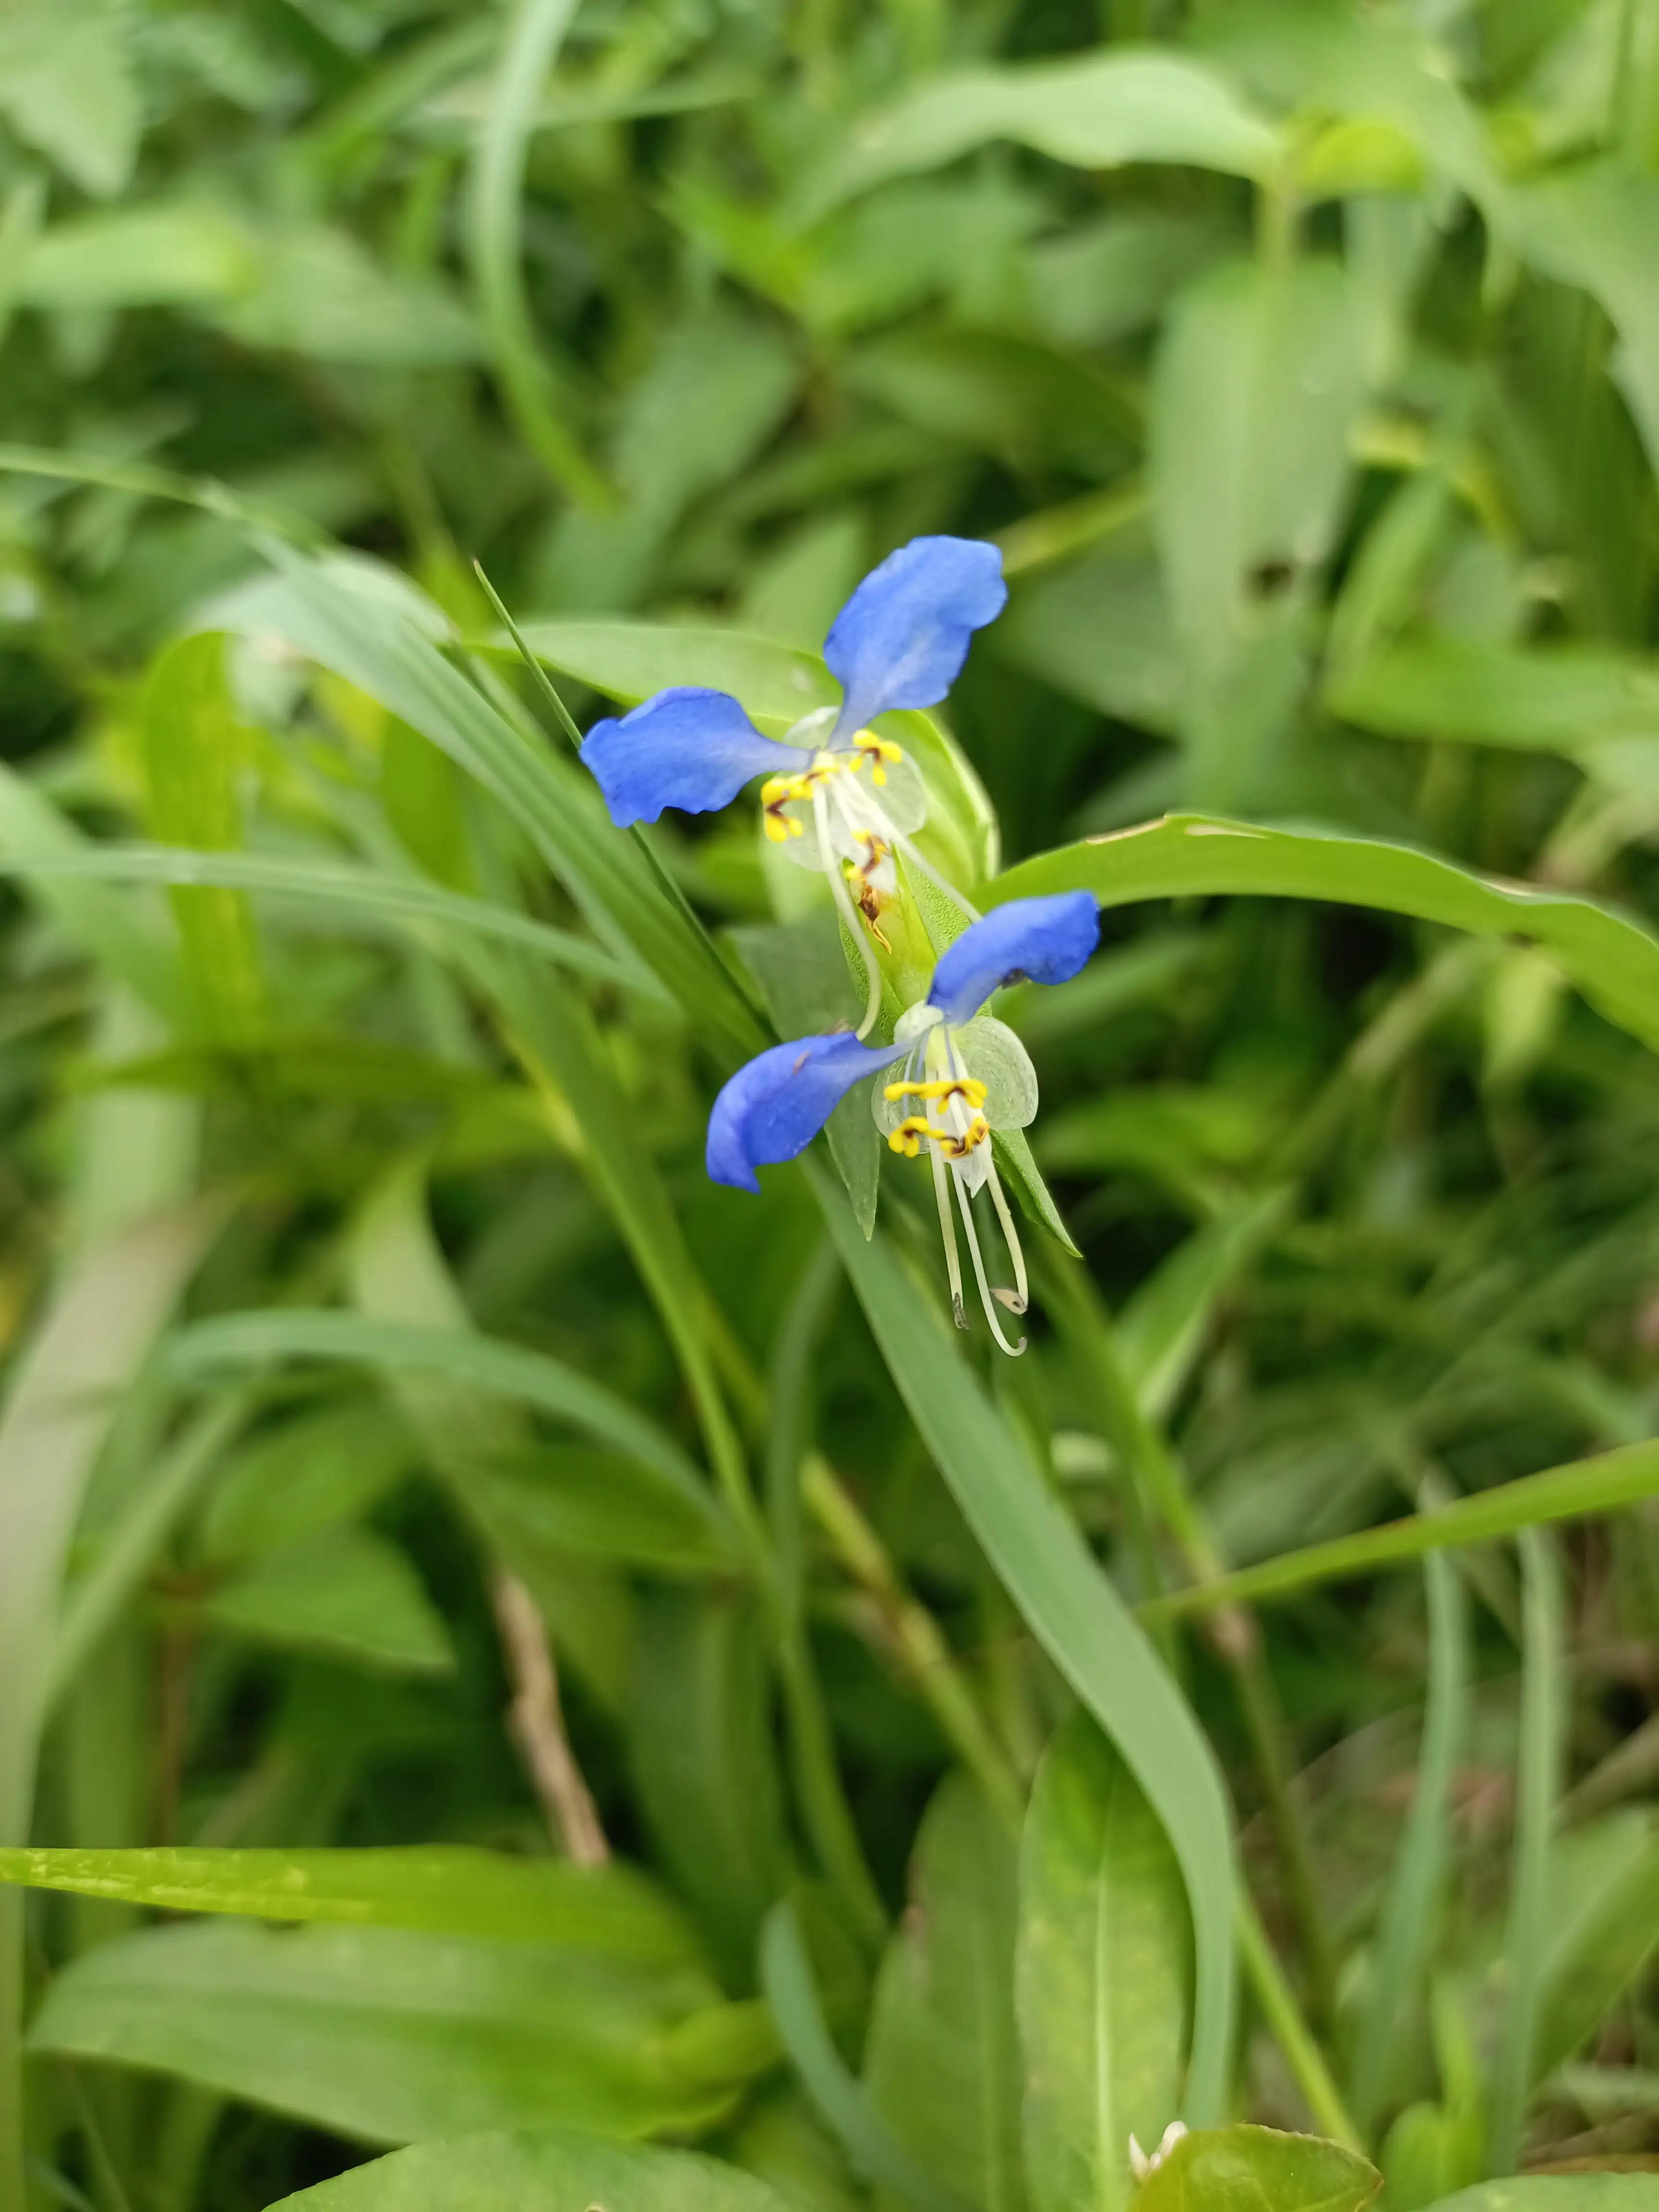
1600,1485
1538,1784
1279,2009
917,1639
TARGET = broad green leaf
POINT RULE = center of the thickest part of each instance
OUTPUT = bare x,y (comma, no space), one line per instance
705,1762
942,2061
192,745
316,292
483,1364
307,1474
1558,2192
393,2037
344,1595
1613,960
1096,112
599,1505
441,1889
1104,1964
542,2172
1603,1928
66,90
1099,630
1597,227
1255,390
1070,1607
1240,2169
776,684
1567,699
138,256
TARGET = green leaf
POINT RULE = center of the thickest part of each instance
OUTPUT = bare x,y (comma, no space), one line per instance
343,1595
1104,1964
570,1498
1163,1327
544,2171
1240,2169
1565,699
389,2036
1561,2192
1601,1484
191,761
442,1889
139,257
1071,1607
1096,112
1603,1928
66,90
942,2058
319,293
370,896
705,1762
1598,228
483,1364
129,942
776,684
309,1475
1613,960
1247,494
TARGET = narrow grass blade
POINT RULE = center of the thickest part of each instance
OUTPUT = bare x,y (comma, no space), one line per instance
1539,1770
1599,1485
507,1370
189,739
1405,1932
368,891
1072,1609
1612,958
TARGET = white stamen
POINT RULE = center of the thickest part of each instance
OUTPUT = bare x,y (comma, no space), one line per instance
1019,1297
948,1229
986,1300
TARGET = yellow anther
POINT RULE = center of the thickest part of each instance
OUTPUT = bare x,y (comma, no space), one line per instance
966,1087
907,1138
881,753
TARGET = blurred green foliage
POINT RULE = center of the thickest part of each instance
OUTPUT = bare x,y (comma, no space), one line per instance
375,1338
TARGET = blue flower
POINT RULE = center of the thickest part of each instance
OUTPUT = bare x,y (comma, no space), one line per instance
837,796
954,1075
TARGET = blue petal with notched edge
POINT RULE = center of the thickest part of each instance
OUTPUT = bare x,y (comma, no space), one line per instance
773,1109
902,638
687,747
1037,940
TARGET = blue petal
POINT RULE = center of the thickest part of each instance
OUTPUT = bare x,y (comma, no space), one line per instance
687,748
1037,940
902,638
773,1109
